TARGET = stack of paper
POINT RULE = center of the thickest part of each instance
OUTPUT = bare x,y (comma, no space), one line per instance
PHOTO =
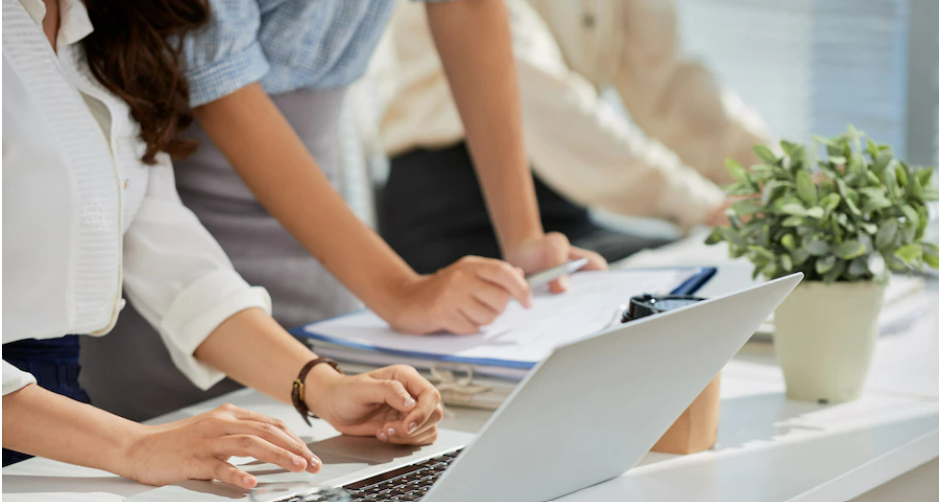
510,346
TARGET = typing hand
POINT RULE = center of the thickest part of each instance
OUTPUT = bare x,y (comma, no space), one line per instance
200,447
394,404
460,298
551,250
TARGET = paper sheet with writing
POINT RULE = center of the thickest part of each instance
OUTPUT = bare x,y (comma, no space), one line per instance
519,334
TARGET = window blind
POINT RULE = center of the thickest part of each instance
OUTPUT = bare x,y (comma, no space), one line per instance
809,66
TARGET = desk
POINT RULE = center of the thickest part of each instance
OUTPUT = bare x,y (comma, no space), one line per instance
769,448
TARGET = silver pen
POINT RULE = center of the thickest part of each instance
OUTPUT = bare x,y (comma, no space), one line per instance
546,276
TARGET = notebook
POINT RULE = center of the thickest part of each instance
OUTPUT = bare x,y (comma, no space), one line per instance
518,339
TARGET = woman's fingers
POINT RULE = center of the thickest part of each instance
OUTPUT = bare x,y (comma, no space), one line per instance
425,437
428,410
227,473
506,277
275,436
478,313
275,431
594,260
246,445
492,296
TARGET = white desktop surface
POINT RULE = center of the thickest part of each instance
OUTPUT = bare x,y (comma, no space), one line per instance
769,448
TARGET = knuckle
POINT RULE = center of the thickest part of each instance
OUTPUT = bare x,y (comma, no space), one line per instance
280,424
246,442
266,430
228,407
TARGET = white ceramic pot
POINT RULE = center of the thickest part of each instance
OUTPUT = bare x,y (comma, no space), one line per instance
825,337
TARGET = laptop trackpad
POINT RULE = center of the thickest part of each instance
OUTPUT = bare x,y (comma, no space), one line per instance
341,455
345,459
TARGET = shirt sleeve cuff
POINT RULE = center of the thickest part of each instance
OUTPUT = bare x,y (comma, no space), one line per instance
197,311
15,379
227,75
691,201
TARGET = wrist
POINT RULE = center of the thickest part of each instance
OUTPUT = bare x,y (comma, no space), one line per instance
318,382
130,446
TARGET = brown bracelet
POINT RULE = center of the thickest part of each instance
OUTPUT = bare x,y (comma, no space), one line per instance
298,393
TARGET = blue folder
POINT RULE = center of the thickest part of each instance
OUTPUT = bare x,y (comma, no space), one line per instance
689,287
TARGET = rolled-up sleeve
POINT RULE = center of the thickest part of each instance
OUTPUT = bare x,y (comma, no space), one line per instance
179,278
14,378
225,55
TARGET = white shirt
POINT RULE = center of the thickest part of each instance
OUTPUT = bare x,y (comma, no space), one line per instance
83,216
577,143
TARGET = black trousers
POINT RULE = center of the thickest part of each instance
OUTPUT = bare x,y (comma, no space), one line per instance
432,213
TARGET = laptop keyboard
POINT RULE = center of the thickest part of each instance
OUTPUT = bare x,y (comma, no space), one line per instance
407,483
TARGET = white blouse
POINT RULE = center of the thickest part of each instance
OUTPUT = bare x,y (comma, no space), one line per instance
82,215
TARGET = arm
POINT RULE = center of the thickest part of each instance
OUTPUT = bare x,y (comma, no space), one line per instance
265,151
675,99
588,152
474,43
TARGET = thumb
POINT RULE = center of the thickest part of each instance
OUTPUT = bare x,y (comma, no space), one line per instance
556,250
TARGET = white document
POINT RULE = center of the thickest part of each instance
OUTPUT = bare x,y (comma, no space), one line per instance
519,335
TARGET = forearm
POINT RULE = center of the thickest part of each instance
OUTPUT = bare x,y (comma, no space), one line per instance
42,423
251,348
618,168
676,99
273,162
474,43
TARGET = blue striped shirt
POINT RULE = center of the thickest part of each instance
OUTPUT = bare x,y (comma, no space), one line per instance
285,44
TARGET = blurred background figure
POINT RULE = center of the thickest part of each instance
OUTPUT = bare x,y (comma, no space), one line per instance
666,163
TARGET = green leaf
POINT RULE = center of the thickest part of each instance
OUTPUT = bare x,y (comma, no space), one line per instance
806,188
910,253
740,189
737,171
837,271
924,175
931,254
858,267
800,256
793,221
824,265
785,262
848,250
732,236
815,212
764,153
830,202
912,217
901,175
789,148
746,207
793,209
837,160
817,247
881,162
886,234
788,241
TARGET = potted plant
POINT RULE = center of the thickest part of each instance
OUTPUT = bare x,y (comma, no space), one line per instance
844,213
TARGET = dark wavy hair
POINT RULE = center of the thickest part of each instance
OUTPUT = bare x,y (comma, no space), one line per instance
134,52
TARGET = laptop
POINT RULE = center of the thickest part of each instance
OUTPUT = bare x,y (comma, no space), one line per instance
586,414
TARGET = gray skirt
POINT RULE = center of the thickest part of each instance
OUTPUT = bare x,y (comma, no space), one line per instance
129,371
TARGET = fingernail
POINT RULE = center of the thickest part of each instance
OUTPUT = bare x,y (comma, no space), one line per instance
381,435
314,461
391,431
297,461
412,427
408,403
248,481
